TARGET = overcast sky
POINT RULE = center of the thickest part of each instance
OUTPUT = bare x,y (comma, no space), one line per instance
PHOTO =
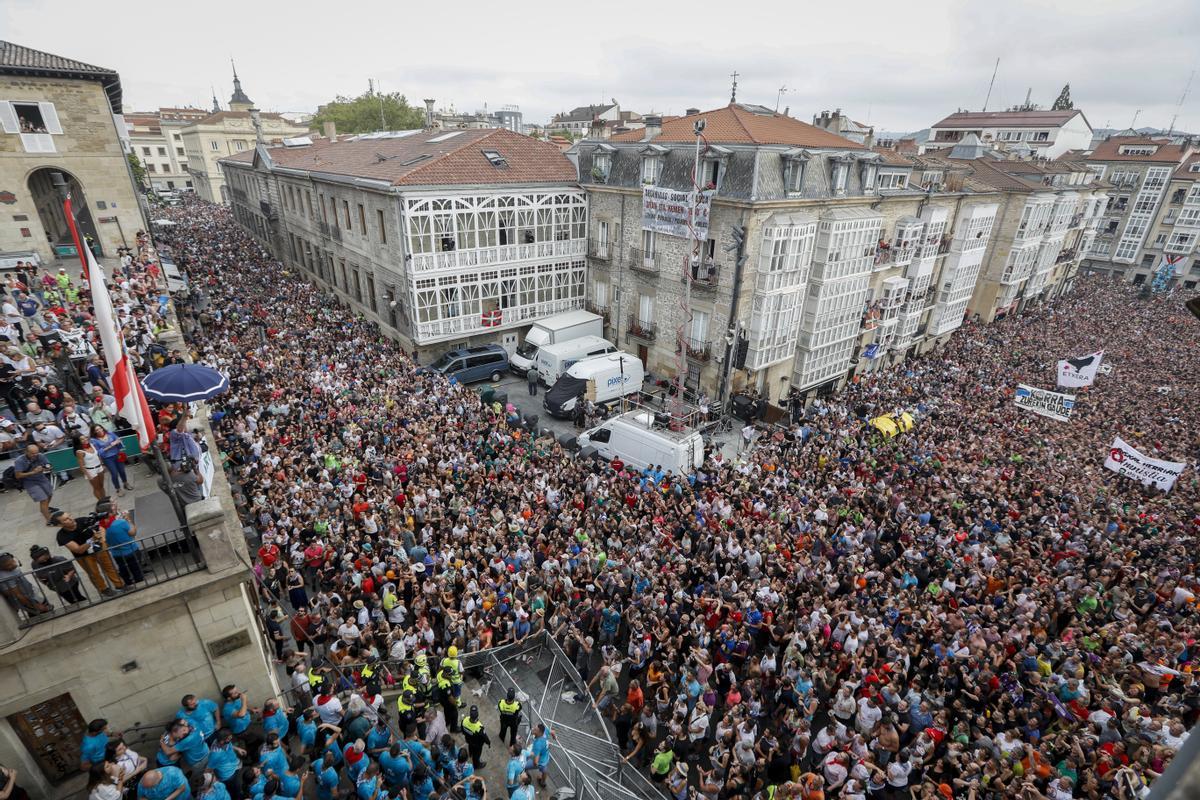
899,66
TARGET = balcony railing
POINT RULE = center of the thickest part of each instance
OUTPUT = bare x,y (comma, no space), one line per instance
485,256
644,260
706,275
598,309
51,592
697,349
888,256
643,329
600,250
1065,255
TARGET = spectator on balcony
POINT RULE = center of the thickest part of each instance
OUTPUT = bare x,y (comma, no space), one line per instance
120,534
84,538
56,573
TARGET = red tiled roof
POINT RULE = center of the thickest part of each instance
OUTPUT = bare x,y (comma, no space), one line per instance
1184,173
735,124
1109,150
1007,119
414,160
892,158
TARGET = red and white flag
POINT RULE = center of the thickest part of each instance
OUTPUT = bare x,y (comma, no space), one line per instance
131,402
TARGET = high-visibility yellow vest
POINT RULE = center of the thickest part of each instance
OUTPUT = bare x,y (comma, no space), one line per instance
508,708
453,667
472,726
367,673
402,706
442,681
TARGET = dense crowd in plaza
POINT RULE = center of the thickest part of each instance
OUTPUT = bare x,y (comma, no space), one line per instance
976,608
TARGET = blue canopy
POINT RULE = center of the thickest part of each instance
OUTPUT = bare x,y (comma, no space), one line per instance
184,383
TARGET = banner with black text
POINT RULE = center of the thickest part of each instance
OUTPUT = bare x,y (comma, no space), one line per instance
1125,459
1048,404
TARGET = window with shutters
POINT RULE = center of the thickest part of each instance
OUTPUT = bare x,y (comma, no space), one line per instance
35,122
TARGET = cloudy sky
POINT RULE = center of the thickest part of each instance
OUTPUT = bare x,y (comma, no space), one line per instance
899,66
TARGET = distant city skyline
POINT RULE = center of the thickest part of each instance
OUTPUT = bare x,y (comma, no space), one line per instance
884,66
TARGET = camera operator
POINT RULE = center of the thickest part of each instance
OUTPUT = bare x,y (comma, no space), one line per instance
186,480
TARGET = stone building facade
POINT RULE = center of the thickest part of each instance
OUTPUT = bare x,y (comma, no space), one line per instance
156,138
61,115
447,239
842,247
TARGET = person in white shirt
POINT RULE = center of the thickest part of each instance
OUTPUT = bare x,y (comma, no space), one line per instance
868,715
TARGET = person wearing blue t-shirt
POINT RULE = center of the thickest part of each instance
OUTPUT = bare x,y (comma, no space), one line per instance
272,758
525,790
516,768
123,547
275,719
396,764
379,738
422,783
225,760
207,786
91,749
192,746
202,713
540,747
235,710
164,783
327,777
369,785
254,780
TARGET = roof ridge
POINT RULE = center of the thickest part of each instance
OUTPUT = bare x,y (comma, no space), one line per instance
735,108
454,151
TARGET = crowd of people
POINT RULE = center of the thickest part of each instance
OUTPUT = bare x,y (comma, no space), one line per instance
975,608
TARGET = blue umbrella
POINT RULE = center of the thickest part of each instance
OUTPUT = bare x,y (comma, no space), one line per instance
184,383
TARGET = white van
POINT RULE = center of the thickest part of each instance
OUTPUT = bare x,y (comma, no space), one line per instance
555,359
601,379
635,439
554,330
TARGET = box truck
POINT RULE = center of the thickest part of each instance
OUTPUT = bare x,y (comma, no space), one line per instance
555,359
554,330
603,379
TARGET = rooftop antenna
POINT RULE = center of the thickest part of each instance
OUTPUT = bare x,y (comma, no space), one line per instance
778,95
733,92
1135,116
1187,88
987,99
379,93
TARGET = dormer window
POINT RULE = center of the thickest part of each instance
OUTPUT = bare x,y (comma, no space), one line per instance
867,174
652,166
840,175
1137,150
601,166
710,173
794,163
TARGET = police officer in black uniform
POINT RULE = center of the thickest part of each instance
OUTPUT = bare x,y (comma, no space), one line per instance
510,716
476,736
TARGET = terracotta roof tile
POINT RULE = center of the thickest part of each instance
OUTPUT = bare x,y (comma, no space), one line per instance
1184,173
1109,150
415,160
736,124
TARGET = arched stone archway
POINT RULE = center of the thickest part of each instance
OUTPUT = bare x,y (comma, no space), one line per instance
50,210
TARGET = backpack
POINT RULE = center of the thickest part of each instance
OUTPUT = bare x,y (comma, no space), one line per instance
9,479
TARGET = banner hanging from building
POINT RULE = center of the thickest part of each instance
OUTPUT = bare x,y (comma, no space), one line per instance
668,211
1076,372
1046,403
1125,459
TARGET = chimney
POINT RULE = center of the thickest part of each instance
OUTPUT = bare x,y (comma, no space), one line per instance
331,130
653,126
691,112
429,112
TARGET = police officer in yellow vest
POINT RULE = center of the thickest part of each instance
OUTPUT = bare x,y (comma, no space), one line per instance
476,737
406,717
422,664
510,716
444,693
453,668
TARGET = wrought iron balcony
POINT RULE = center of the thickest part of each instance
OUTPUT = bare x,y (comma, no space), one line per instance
598,309
600,250
54,591
643,329
706,275
697,350
644,260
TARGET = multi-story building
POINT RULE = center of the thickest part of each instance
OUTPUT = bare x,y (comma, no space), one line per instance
62,116
1045,223
223,133
1173,236
579,121
508,116
1138,169
1045,134
841,247
447,238
156,138
837,122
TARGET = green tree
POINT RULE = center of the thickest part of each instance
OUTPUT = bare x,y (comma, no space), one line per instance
1063,103
139,172
362,114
